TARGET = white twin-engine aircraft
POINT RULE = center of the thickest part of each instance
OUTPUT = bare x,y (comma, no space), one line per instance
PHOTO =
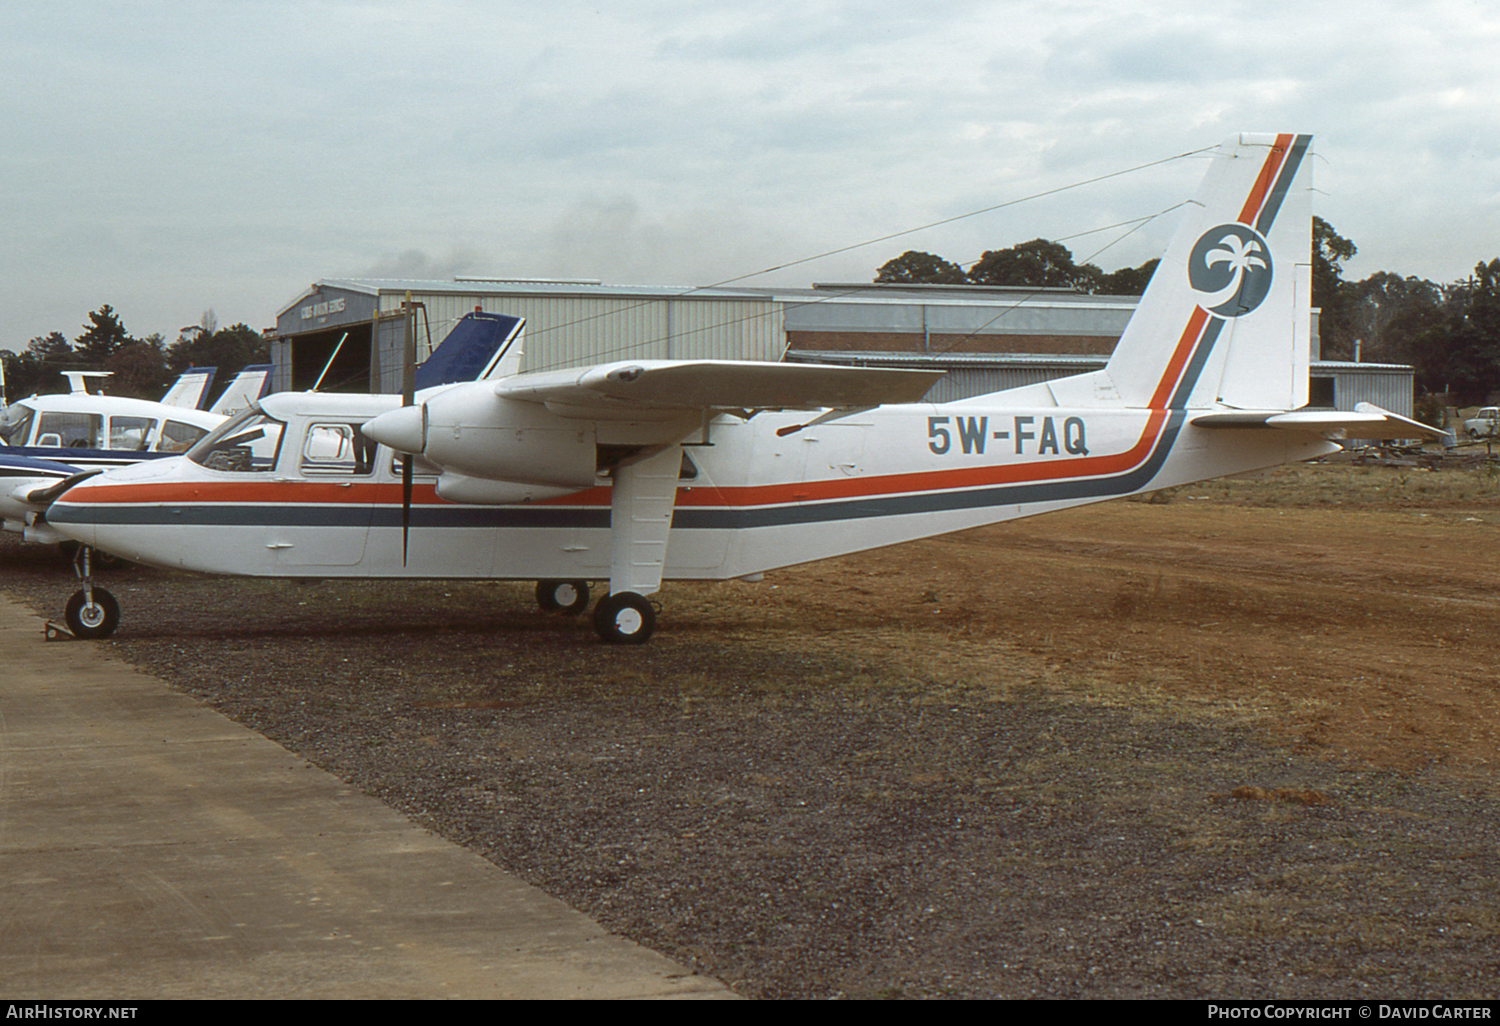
46,440
636,472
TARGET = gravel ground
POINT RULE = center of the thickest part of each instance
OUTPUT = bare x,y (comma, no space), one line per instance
813,820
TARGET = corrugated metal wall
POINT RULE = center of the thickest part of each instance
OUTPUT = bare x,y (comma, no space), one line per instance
1387,386
578,324
573,331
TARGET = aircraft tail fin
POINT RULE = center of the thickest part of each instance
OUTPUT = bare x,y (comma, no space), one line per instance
190,388
1226,320
248,385
481,345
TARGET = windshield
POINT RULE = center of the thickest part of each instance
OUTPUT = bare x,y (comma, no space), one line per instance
178,437
245,444
15,424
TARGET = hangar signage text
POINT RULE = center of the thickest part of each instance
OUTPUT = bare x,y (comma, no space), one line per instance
313,310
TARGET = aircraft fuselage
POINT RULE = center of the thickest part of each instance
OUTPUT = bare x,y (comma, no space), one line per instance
748,500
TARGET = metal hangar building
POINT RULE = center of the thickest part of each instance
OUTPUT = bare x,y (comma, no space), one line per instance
347,333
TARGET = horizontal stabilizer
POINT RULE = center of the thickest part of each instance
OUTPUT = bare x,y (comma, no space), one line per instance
619,389
1366,420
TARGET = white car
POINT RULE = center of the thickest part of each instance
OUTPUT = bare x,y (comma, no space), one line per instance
1484,424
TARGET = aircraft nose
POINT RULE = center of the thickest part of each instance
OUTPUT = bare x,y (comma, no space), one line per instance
404,429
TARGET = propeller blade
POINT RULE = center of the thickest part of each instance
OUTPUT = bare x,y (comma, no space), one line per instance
408,397
406,464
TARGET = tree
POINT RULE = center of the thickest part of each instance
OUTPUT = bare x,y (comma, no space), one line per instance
36,369
228,349
1462,354
1330,250
1387,313
1035,264
139,368
104,334
1128,281
913,268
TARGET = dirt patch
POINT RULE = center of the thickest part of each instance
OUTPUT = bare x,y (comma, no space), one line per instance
1239,743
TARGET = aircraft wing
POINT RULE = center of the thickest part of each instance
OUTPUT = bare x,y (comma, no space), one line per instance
29,485
42,494
1366,420
630,388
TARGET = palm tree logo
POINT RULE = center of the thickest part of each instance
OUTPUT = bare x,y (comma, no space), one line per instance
1231,265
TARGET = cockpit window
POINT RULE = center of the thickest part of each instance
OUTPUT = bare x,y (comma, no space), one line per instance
178,437
246,444
15,424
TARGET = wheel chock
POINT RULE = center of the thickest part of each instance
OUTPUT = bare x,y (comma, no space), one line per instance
55,631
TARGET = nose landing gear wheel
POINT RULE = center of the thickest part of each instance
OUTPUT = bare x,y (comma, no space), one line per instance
624,618
96,619
570,597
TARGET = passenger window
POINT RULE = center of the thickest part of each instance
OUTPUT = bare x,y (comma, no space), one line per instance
129,432
335,449
70,430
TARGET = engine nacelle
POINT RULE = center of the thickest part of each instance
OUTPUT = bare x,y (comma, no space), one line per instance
474,433
482,491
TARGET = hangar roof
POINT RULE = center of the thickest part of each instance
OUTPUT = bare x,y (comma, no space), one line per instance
832,293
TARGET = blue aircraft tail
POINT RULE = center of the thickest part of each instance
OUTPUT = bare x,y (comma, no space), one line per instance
481,345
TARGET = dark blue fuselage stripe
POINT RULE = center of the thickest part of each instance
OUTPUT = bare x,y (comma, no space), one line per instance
75,457
939,502
327,515
1190,374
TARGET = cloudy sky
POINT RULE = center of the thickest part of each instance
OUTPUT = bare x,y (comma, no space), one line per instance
168,158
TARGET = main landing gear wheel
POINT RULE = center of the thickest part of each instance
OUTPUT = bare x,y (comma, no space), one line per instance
624,618
570,597
92,619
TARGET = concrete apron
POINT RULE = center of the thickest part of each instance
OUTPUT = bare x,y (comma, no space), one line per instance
150,848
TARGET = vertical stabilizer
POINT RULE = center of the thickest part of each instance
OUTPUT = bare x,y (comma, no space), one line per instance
1226,320
190,388
252,382
481,345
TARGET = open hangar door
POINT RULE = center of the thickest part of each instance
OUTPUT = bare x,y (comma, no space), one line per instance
337,357
363,355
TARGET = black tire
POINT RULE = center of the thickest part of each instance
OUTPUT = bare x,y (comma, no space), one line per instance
92,620
570,597
624,618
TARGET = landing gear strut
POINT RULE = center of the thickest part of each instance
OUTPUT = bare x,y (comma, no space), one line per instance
91,612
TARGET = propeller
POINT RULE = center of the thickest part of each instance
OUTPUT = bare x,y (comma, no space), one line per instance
408,398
